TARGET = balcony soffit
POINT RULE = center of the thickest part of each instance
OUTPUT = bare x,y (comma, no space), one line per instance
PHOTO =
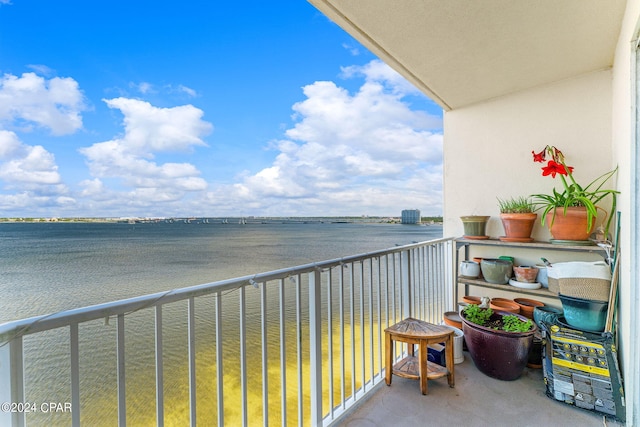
460,52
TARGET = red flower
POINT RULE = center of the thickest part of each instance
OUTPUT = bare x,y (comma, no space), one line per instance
553,168
538,157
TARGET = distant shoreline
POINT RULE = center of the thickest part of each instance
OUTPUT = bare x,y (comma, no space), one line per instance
224,220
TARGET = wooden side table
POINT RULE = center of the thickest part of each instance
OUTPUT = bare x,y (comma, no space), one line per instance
414,331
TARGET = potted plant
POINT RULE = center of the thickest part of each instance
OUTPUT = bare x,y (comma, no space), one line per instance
575,206
474,226
498,342
518,217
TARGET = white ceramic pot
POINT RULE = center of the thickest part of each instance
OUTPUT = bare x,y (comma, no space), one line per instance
542,275
469,269
458,340
462,306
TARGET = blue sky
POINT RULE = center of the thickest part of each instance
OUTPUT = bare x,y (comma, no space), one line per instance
156,108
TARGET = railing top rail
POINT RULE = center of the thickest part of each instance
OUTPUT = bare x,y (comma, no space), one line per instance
34,324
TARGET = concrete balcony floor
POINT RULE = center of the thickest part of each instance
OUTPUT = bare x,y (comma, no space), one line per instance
476,400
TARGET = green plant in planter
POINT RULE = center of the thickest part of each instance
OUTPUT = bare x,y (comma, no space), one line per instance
516,205
511,323
507,323
572,194
477,315
499,344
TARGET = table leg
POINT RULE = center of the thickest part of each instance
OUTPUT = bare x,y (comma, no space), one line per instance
388,345
422,357
450,360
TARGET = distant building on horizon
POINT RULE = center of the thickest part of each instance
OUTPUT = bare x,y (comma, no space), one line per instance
411,216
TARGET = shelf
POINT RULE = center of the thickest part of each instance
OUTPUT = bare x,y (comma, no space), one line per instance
409,367
548,246
541,292
531,245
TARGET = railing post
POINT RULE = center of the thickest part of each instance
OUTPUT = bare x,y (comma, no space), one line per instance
451,270
405,274
315,347
122,400
11,382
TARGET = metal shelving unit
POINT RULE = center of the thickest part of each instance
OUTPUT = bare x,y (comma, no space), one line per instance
462,243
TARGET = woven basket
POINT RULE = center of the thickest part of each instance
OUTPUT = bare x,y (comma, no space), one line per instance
583,288
585,280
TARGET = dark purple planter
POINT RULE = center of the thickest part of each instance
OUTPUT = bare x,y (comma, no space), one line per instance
498,354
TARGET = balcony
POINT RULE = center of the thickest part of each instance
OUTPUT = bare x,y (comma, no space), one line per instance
298,346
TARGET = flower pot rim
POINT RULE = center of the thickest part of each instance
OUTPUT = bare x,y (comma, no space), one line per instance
519,215
533,303
496,261
475,218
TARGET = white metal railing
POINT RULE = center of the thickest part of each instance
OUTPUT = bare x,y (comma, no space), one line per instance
297,346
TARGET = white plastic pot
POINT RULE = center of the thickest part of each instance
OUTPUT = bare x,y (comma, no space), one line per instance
458,340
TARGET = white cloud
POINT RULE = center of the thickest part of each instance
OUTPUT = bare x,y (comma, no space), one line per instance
29,174
190,92
150,129
146,88
143,87
378,71
55,104
353,50
366,152
346,153
41,69
129,160
25,165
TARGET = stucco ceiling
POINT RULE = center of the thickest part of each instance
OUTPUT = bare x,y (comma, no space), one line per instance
461,52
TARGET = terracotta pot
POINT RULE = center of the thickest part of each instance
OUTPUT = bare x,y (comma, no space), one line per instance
471,300
569,226
525,273
452,318
527,306
518,226
498,354
503,304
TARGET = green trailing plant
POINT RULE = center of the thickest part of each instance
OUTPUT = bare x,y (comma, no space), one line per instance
516,205
477,315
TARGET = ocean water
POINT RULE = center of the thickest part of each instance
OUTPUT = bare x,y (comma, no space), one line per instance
49,267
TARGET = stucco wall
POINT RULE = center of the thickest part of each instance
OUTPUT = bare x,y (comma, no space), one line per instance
487,147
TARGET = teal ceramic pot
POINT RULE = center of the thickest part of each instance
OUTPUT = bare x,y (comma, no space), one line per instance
584,314
547,314
496,270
